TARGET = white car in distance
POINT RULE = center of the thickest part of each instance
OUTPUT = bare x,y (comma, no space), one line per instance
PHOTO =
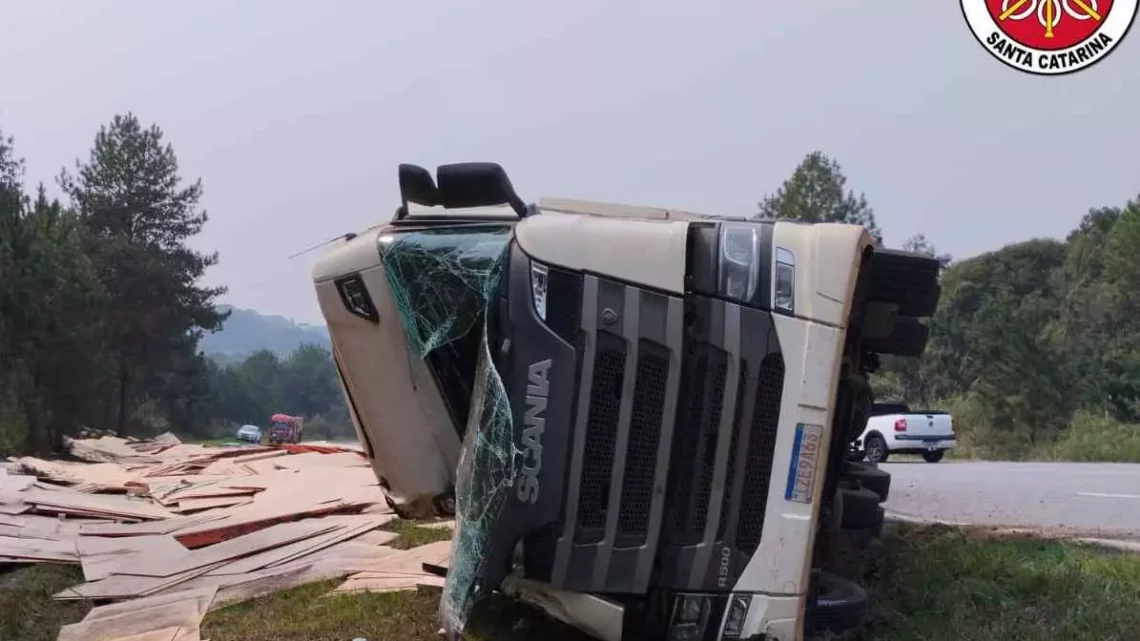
894,428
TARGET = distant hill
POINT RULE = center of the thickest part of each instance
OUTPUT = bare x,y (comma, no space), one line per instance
247,331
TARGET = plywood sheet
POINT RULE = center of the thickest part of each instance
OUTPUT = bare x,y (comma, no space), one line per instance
194,505
101,557
96,504
41,549
183,614
151,527
158,564
124,586
347,528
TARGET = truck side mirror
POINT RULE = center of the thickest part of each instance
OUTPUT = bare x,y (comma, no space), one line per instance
477,184
417,186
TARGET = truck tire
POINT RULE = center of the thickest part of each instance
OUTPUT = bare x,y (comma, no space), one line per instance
906,279
839,605
880,518
933,457
445,503
907,338
861,509
876,450
869,477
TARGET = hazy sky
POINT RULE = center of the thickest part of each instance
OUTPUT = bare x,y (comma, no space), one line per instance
295,114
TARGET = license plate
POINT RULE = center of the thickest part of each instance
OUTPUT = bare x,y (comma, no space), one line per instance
930,447
805,461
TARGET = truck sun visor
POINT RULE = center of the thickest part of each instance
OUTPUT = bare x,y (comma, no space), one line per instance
442,281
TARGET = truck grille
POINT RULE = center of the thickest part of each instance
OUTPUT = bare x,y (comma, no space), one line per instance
727,501
695,437
601,432
761,450
644,434
655,477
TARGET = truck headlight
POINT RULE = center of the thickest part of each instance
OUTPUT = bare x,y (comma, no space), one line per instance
739,262
690,617
785,297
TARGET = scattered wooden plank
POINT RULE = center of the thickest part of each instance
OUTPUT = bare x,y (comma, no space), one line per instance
158,564
194,505
125,586
95,504
233,527
347,528
185,613
318,460
101,557
150,527
377,537
166,634
15,482
203,597
390,583
40,549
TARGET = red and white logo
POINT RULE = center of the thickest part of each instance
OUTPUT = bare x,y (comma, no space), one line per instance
1049,37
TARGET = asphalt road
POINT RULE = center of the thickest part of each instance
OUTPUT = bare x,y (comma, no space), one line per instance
1088,498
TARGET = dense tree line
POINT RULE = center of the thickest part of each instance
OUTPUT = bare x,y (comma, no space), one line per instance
304,384
101,307
1035,347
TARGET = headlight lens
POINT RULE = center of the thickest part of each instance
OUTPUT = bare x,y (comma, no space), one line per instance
739,263
686,632
690,617
785,298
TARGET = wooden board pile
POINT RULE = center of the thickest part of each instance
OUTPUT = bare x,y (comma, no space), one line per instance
166,531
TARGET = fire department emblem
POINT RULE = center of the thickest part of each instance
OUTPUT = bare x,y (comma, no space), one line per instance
1049,37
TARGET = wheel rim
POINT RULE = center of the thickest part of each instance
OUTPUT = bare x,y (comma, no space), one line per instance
874,451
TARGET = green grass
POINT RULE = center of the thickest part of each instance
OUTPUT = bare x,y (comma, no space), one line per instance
27,611
926,584
307,613
945,584
412,534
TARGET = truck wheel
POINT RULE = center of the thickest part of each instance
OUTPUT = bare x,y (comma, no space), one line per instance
876,448
839,605
933,457
869,477
445,504
906,279
907,338
860,509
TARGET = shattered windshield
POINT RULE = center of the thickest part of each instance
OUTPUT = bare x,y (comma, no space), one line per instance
442,281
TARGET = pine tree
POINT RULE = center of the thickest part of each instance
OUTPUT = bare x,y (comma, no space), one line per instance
817,192
49,303
138,215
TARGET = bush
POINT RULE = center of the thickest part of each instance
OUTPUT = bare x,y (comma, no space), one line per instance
148,420
13,432
1099,439
982,435
331,427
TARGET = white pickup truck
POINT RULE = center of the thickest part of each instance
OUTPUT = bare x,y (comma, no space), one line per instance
894,428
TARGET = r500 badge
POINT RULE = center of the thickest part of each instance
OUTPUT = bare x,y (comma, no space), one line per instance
805,460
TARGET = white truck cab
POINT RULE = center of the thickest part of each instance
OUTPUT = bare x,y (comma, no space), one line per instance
640,417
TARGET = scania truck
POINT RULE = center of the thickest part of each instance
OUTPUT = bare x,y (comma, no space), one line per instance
640,417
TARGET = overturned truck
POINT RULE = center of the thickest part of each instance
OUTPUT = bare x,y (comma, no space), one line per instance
639,417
